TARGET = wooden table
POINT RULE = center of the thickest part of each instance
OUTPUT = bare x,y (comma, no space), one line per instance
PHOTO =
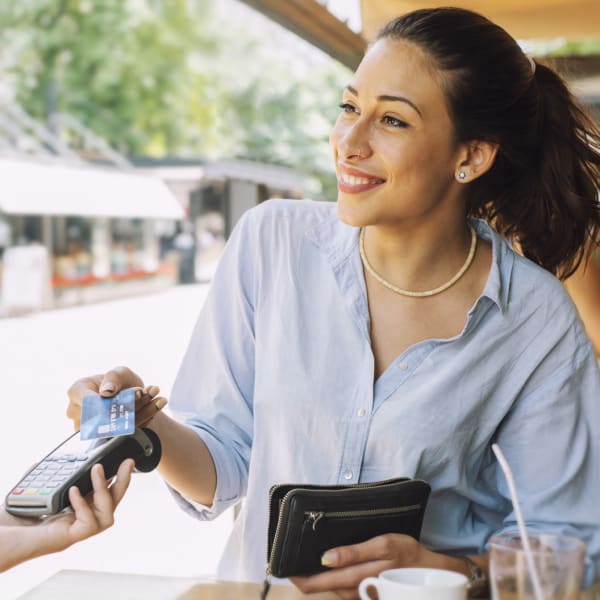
96,585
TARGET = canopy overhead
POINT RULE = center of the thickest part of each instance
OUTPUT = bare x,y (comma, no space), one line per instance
35,188
312,21
523,19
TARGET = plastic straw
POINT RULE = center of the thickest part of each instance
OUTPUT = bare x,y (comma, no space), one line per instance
537,588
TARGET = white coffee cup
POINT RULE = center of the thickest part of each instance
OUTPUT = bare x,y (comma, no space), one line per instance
416,584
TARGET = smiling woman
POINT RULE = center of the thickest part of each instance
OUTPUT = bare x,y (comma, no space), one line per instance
397,333
395,133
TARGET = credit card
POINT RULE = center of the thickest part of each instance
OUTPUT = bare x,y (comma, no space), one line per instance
108,417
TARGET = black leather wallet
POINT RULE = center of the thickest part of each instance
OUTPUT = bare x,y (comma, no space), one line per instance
307,520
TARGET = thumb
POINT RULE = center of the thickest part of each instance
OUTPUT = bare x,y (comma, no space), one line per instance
118,379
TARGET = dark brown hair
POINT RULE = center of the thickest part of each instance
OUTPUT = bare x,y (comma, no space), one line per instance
542,190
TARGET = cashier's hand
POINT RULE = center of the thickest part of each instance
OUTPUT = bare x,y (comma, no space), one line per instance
147,400
93,514
22,539
349,565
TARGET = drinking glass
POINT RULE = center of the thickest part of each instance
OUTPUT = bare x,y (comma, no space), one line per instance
558,559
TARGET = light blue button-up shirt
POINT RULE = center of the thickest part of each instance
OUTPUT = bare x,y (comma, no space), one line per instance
278,382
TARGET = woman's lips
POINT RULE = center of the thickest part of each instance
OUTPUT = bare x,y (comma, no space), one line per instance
354,183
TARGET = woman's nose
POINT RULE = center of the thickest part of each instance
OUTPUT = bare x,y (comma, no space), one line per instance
354,144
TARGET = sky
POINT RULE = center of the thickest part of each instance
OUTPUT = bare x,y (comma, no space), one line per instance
346,10
286,42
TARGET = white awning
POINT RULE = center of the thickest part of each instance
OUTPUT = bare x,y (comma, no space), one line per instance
34,188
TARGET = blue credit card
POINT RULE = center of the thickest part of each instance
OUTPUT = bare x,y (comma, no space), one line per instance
108,417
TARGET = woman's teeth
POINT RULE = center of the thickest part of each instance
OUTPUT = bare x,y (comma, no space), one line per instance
354,180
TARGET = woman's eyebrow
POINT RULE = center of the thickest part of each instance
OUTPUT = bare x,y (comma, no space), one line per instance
389,98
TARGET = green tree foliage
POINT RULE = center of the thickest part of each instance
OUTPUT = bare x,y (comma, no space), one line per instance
578,47
282,97
120,67
183,77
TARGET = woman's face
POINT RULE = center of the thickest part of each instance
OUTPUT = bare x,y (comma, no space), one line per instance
393,142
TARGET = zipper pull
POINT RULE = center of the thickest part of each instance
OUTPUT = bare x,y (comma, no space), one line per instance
266,583
315,517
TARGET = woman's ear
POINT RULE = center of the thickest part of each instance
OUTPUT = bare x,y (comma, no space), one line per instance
477,159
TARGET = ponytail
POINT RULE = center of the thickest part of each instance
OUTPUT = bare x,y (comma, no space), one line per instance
554,213
543,189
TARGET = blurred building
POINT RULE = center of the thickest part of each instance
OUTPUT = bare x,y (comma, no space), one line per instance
214,194
110,227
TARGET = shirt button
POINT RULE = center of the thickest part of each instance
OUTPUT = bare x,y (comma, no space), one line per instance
347,474
403,366
361,412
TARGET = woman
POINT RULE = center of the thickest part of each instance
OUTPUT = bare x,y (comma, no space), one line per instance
402,336
22,539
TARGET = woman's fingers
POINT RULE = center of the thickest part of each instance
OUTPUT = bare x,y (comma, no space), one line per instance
81,388
349,565
147,406
107,384
344,578
401,548
152,390
118,379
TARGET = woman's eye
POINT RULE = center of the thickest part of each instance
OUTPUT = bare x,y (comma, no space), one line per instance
394,122
348,108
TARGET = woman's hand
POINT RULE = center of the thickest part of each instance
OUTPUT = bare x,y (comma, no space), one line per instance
186,462
349,565
22,539
147,401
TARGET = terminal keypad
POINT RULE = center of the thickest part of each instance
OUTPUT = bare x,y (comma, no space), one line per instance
49,474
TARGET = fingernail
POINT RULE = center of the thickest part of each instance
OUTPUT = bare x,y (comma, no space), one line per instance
329,558
107,388
152,390
160,403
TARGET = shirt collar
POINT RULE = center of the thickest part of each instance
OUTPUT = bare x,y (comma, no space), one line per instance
339,241
335,238
497,287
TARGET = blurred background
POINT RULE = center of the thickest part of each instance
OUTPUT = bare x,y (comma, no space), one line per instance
133,135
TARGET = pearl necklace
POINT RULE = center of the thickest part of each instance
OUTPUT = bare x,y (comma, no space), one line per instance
425,293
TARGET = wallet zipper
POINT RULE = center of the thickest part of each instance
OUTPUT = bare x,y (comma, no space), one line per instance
277,535
316,516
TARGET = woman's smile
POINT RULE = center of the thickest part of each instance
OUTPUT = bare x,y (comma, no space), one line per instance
393,141
354,181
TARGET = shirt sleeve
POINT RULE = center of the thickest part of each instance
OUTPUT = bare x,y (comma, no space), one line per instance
551,440
213,391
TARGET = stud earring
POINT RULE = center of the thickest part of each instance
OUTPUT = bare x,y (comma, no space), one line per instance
462,175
